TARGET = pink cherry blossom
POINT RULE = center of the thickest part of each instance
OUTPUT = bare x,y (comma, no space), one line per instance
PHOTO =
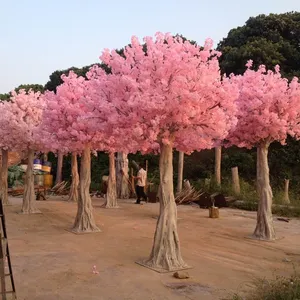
173,94
19,121
268,108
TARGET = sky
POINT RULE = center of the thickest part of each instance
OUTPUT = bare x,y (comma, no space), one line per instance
39,36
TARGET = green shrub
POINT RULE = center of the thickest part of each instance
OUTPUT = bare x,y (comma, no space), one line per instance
279,288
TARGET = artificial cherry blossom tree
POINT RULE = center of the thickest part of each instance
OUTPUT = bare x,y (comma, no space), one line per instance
104,120
64,120
20,119
171,97
268,110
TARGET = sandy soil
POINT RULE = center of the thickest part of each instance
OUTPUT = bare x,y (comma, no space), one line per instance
50,263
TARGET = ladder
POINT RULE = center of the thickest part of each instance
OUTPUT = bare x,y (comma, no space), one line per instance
5,258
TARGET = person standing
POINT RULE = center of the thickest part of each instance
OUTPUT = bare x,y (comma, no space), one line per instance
140,185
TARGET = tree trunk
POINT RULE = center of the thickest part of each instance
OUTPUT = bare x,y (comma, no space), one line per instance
29,200
235,181
166,254
4,175
45,156
84,221
60,159
264,227
132,184
218,154
286,198
73,194
111,196
122,176
180,171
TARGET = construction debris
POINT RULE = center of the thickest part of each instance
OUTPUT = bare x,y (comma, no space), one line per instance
188,194
284,220
60,188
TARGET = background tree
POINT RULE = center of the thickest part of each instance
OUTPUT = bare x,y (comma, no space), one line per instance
266,39
268,111
4,97
66,131
55,78
103,88
19,122
170,97
33,87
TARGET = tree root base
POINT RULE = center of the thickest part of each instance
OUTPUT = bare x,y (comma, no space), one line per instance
144,263
255,238
106,206
75,231
32,212
155,217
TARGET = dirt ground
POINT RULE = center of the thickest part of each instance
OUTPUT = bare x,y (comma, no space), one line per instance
50,263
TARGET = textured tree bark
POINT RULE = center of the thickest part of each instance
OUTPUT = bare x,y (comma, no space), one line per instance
60,159
180,171
29,200
166,254
218,154
264,227
85,221
4,175
286,198
235,181
73,194
111,196
122,176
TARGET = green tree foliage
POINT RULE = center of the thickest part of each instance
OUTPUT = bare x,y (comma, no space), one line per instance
27,87
55,77
270,40
4,97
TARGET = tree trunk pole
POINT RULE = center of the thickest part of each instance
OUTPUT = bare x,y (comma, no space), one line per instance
180,171
264,227
132,183
286,198
122,175
166,254
125,189
45,156
218,154
73,194
85,221
236,181
111,196
4,175
146,185
29,200
60,158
